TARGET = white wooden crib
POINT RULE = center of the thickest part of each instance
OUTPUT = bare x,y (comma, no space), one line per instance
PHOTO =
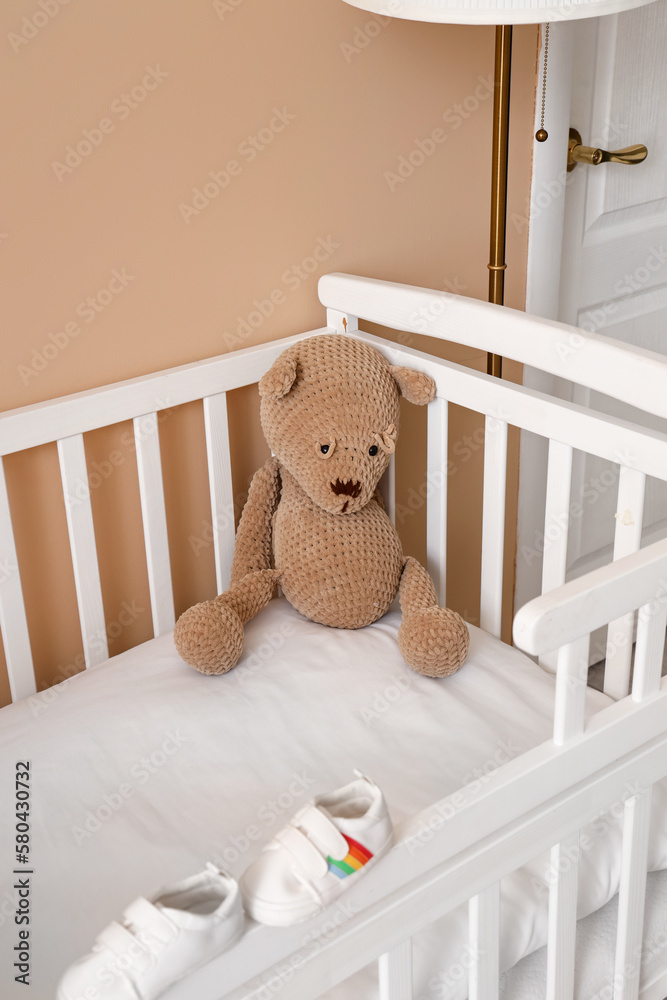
539,800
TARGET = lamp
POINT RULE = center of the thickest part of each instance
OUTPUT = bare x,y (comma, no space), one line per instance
504,14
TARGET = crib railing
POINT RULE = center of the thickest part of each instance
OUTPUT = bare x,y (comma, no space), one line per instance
635,376
563,619
65,421
536,802
459,849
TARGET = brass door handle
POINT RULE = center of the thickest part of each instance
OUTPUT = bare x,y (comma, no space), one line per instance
578,153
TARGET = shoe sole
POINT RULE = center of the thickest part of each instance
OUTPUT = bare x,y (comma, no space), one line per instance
264,913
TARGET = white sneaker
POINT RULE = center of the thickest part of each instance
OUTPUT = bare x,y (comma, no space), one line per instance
325,848
159,941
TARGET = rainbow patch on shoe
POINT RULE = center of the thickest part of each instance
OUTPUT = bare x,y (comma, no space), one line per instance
355,859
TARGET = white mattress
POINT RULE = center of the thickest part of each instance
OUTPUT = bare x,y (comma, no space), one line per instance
182,768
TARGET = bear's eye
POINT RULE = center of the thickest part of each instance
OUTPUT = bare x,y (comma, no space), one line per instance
324,448
373,450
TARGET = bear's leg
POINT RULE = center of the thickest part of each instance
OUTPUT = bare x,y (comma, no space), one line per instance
433,640
209,636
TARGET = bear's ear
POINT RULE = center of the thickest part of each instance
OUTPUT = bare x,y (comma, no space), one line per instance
280,377
417,387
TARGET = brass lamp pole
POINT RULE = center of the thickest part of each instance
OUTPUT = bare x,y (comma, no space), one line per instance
501,119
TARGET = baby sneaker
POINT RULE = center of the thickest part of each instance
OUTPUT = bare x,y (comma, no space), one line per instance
324,849
159,941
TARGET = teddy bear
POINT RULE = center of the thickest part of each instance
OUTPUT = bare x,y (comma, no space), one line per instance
314,521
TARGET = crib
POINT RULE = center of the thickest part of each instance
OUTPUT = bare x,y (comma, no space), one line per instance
457,853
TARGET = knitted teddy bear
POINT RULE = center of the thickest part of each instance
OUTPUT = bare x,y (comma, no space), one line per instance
314,521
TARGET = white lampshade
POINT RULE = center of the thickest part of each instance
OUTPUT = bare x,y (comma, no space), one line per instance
495,11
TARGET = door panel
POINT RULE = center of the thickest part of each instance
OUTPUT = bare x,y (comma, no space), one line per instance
607,78
614,262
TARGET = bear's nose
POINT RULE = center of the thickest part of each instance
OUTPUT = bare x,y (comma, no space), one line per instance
350,489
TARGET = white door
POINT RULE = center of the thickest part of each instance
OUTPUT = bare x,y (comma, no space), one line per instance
598,258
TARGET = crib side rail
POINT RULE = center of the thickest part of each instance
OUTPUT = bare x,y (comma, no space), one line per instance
637,451
455,851
40,423
458,849
571,611
65,421
633,375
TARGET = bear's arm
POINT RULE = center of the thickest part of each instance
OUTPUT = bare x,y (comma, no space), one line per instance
253,547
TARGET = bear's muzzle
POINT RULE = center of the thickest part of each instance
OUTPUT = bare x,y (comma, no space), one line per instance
351,489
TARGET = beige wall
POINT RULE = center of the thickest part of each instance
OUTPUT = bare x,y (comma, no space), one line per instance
170,91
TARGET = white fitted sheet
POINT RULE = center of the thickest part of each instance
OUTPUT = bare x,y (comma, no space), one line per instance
181,768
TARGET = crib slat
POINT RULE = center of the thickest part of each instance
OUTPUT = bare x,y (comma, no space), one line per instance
387,488
562,918
649,650
220,485
341,322
154,515
629,516
484,941
13,622
436,496
557,516
631,895
637,814
571,681
83,548
556,524
395,972
493,524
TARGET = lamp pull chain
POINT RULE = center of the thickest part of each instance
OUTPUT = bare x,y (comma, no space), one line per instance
542,135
